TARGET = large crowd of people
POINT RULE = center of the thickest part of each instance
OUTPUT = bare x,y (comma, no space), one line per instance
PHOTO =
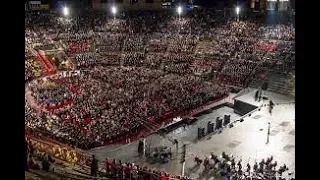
105,103
226,166
140,66
33,68
223,166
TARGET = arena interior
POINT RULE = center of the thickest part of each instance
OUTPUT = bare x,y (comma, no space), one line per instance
136,89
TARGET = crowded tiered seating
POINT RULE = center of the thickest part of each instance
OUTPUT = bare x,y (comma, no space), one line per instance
103,24
133,59
182,44
33,68
206,65
110,59
141,66
236,72
96,103
154,60
106,42
85,60
134,43
158,42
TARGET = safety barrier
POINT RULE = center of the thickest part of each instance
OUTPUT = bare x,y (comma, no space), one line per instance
107,168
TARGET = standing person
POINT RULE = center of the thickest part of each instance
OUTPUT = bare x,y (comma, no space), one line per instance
107,166
175,141
206,163
268,132
248,168
271,104
94,166
256,95
45,163
140,148
264,88
260,94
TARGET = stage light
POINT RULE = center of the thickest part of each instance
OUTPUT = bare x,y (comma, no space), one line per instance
113,10
179,10
237,10
65,11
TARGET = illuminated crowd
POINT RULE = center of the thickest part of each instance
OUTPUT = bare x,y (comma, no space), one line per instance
141,66
111,102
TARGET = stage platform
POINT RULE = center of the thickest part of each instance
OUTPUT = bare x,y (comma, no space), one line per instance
246,140
191,117
249,98
246,102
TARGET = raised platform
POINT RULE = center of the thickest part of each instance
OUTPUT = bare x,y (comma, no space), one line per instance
190,117
246,102
246,140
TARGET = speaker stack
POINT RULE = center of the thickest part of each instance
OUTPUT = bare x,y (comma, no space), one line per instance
210,127
200,133
219,123
226,119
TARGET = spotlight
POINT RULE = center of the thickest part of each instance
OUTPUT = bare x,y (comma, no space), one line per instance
65,11
113,10
179,10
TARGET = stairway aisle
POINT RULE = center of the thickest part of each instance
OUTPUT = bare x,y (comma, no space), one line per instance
49,67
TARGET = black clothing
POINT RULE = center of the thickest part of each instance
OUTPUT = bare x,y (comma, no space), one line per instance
94,167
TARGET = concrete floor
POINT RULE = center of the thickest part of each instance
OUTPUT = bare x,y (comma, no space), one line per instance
246,140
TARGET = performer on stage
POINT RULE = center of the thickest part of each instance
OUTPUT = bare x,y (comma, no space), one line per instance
271,105
140,148
256,95
175,141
